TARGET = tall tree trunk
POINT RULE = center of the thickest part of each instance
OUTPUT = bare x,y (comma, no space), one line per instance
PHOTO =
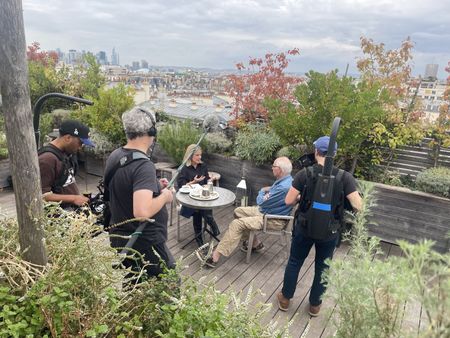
16,108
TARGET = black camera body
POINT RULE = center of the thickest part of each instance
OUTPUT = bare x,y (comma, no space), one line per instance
306,160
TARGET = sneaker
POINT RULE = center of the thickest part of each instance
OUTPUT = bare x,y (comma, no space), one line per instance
210,263
205,258
258,248
314,310
283,302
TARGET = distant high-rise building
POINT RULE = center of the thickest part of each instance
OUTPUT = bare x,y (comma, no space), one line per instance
114,57
60,54
73,56
144,64
101,58
135,65
431,71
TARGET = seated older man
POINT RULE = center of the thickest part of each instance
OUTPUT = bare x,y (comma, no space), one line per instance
270,200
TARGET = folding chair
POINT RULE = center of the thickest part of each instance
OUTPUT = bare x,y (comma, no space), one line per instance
283,232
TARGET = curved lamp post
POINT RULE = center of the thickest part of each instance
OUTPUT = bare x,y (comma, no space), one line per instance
38,106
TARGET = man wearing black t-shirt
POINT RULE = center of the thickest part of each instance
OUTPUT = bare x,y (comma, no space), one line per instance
301,243
135,192
56,165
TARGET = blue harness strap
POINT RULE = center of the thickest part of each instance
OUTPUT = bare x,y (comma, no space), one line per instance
321,206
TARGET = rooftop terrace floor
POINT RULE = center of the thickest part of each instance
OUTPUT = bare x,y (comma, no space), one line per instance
265,271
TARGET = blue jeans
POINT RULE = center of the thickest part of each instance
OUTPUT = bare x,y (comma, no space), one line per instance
300,248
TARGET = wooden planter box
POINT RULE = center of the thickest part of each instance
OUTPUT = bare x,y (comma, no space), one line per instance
401,213
95,165
5,172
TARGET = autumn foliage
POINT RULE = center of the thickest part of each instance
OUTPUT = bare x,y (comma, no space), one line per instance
265,78
390,67
34,53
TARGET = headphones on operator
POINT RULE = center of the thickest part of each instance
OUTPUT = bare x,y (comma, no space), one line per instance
152,131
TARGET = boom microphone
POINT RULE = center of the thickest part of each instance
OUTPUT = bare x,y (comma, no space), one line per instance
210,122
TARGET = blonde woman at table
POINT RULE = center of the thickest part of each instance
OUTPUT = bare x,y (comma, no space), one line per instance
196,172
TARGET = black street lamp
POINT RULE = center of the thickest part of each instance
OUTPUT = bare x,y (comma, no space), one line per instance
38,106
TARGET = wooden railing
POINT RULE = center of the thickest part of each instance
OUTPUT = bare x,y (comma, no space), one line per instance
410,160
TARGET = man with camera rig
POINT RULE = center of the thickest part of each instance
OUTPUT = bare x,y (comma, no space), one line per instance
57,165
305,229
135,193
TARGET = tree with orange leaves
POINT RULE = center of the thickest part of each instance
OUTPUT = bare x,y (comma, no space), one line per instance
391,70
390,67
265,79
34,53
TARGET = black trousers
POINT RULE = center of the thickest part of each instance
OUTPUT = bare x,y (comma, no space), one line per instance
197,219
147,249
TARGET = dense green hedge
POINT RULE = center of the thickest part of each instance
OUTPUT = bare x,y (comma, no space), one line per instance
257,143
435,181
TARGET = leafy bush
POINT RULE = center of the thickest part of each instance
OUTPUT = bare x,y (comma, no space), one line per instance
291,152
162,116
217,142
175,137
390,177
102,144
435,181
79,293
256,143
106,114
362,107
370,299
52,120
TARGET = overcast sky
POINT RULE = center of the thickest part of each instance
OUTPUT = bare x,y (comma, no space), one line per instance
218,34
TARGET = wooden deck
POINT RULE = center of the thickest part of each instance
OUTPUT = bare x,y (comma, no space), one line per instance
265,271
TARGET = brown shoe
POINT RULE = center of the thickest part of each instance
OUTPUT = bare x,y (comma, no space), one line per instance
283,302
314,310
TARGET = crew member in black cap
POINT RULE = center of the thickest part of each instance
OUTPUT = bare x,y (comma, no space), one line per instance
58,168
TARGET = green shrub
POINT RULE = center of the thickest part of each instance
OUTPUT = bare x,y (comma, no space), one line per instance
79,294
390,177
52,120
106,114
175,137
217,142
291,152
256,143
162,116
370,299
435,181
102,145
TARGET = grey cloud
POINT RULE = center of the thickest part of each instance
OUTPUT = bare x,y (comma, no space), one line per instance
211,33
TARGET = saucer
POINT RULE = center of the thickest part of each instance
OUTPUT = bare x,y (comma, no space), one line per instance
214,195
185,190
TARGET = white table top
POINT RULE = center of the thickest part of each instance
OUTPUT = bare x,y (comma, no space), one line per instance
226,198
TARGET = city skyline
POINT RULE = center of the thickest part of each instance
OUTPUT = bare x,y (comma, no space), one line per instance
207,34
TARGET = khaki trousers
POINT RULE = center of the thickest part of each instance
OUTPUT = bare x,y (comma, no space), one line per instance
247,219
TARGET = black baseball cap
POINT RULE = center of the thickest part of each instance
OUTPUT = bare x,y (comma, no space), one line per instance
78,129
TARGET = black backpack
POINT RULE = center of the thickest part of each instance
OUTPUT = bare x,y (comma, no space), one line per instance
320,221
100,203
68,162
